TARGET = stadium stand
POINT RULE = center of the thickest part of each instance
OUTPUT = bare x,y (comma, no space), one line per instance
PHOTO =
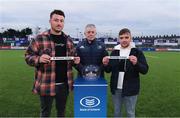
147,43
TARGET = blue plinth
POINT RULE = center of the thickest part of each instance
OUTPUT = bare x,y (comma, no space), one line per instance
90,98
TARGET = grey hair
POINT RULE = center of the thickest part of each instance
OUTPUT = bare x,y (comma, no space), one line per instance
90,25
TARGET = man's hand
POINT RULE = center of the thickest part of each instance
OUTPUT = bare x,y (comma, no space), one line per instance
133,59
44,58
105,60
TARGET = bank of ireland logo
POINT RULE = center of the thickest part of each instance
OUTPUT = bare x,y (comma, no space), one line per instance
89,101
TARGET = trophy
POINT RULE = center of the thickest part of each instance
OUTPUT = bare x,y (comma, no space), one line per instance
91,72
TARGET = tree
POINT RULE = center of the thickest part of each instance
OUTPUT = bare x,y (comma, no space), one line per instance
26,31
11,33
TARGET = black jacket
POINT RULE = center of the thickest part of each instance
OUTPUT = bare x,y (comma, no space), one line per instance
90,54
131,83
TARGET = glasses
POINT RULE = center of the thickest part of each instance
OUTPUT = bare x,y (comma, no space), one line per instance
90,32
125,37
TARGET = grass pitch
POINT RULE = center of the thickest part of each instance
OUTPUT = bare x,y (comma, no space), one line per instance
159,95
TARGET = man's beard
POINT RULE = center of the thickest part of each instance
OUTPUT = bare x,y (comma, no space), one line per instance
57,31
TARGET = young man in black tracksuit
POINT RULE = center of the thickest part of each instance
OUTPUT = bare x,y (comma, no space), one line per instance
90,51
125,80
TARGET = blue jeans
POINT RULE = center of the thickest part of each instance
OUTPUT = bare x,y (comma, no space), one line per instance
128,101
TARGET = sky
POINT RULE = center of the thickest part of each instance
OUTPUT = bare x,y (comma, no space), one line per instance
142,17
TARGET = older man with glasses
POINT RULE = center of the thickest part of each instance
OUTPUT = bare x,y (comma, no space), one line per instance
90,51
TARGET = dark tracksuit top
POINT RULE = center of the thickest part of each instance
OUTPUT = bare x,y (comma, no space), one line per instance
90,54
